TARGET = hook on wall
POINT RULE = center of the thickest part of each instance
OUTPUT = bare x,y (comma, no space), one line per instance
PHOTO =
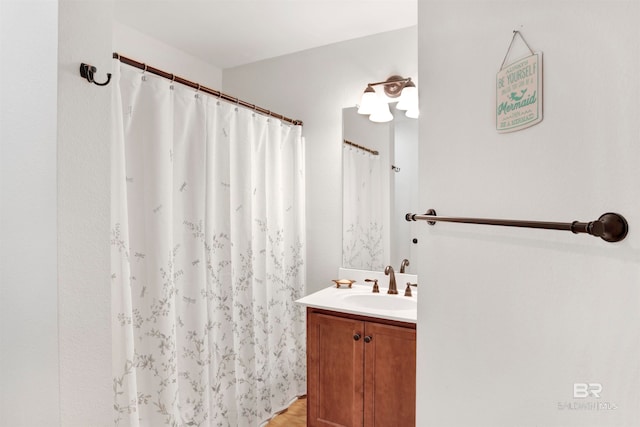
87,71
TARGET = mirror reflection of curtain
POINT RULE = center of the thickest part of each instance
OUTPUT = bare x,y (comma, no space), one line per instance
363,233
207,252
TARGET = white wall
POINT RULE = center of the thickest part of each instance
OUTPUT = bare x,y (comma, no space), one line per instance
84,130
509,319
314,86
143,48
28,292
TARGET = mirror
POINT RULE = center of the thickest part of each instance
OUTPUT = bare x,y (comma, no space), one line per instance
378,190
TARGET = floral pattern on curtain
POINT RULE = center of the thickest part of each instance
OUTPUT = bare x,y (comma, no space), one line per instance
208,257
363,231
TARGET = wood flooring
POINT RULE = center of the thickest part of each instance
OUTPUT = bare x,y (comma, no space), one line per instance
294,416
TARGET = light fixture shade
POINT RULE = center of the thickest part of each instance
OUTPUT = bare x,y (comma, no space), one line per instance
413,113
408,97
368,102
382,113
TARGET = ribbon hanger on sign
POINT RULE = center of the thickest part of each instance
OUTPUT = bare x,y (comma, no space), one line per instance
506,55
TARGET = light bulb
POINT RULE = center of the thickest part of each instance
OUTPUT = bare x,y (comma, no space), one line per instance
408,97
413,113
368,101
382,113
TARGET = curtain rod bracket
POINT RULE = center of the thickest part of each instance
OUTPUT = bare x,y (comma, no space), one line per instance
87,71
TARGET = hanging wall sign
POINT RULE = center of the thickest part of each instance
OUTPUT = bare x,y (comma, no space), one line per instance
519,91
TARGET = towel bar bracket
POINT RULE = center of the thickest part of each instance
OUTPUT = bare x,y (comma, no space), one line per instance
610,227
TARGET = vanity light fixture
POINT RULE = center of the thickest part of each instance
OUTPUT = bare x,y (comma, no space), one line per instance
381,113
412,114
369,101
394,87
409,98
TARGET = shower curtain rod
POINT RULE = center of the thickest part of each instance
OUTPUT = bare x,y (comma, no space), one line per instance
216,93
362,147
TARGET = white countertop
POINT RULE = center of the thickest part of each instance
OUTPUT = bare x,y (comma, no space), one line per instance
334,299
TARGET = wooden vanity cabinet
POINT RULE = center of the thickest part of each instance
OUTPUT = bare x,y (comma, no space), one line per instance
361,371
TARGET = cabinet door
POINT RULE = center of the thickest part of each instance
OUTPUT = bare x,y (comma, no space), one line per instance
390,376
334,371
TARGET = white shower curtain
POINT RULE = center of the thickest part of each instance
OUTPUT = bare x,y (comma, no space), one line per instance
364,242
208,256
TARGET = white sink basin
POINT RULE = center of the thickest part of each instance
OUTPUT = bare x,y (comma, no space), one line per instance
359,300
381,301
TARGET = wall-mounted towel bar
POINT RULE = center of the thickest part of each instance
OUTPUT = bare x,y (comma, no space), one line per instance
611,227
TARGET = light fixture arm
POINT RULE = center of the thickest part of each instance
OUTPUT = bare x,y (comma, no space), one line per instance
393,85
390,80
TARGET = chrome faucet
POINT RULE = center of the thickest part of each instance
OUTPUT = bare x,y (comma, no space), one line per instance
392,280
403,264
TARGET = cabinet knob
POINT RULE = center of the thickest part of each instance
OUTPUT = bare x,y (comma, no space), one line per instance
368,339
356,337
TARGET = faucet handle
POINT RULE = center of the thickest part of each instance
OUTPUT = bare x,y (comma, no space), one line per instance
407,292
376,289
